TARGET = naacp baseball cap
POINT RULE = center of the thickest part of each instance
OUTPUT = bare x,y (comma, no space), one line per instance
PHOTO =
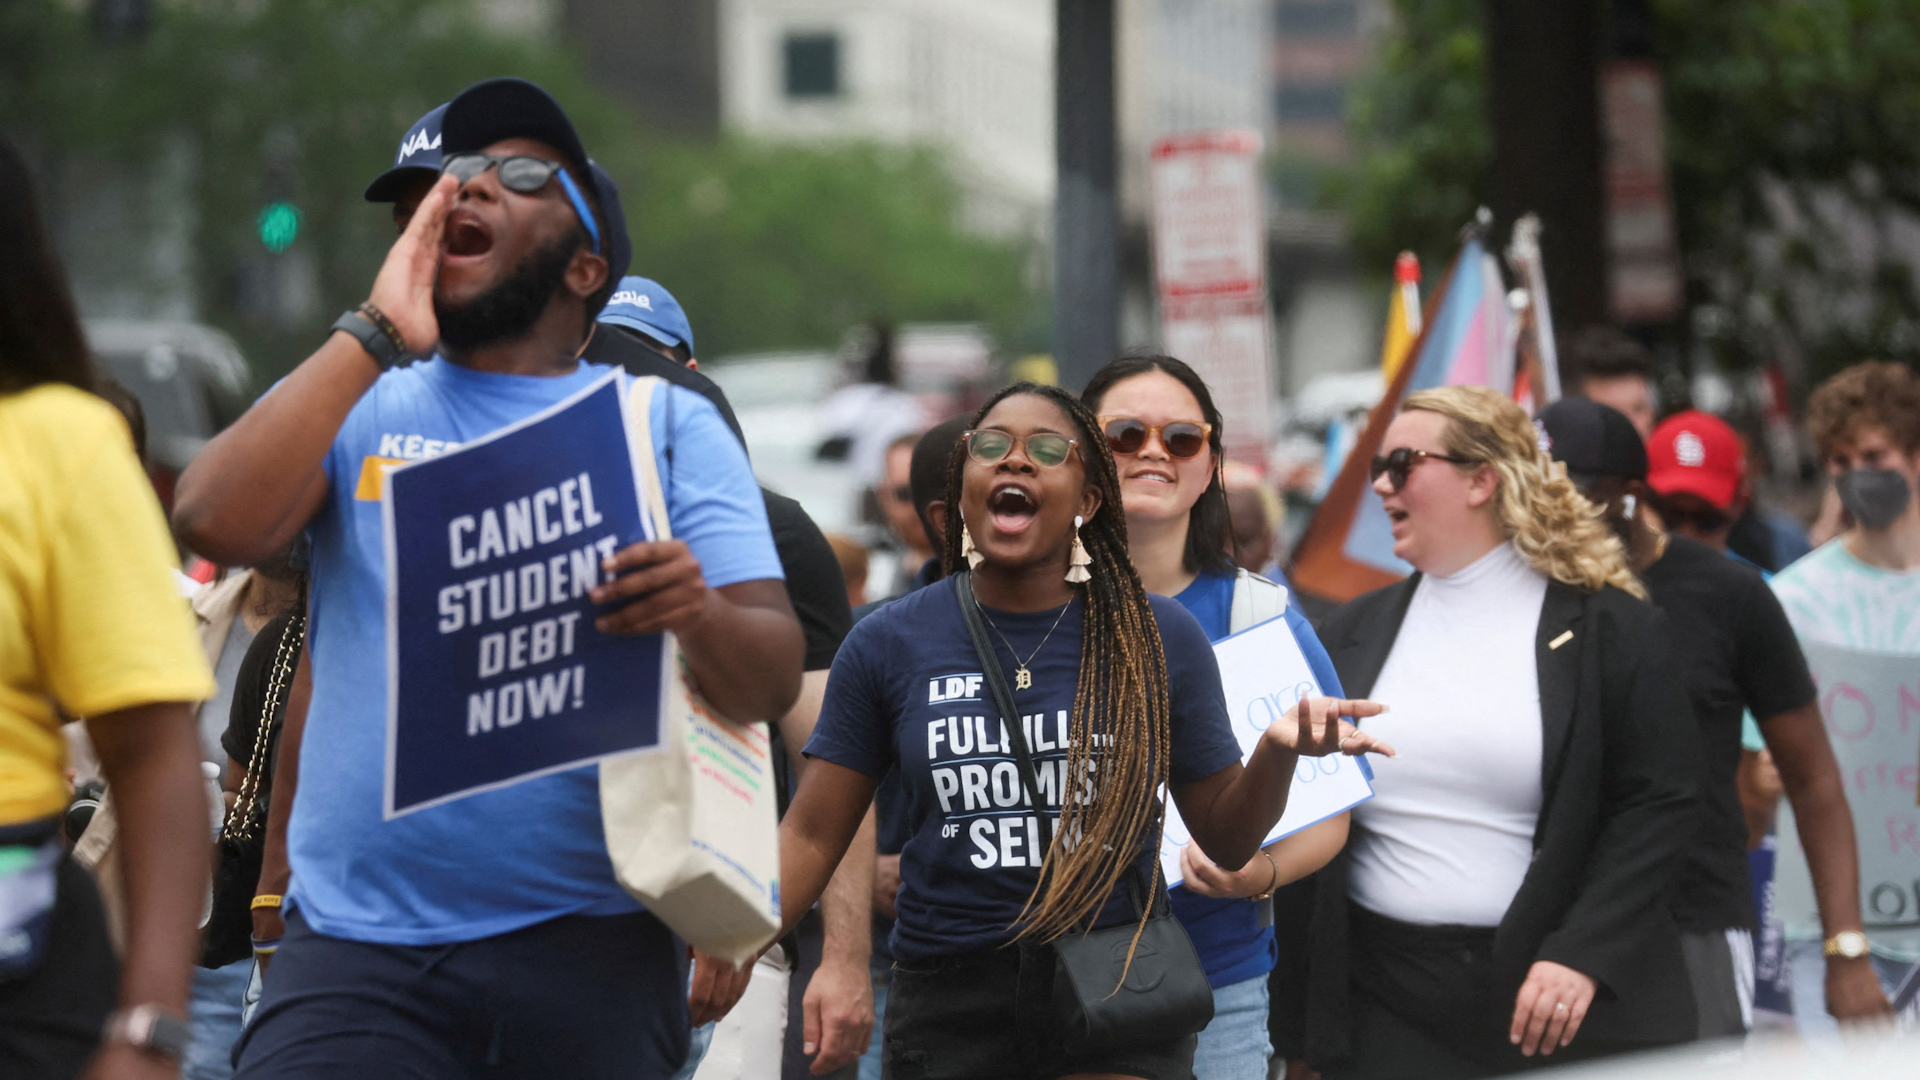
1592,441
643,305
1696,453
419,156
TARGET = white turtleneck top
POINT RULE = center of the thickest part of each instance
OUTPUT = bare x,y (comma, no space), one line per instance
1448,835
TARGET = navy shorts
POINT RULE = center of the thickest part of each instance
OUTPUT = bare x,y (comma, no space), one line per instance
580,997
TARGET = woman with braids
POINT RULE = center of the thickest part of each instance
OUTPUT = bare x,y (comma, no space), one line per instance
1159,419
1503,893
1119,693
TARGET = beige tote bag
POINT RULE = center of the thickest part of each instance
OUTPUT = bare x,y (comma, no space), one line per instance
691,826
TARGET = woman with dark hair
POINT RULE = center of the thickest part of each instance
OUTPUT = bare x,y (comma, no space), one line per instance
1160,421
1117,693
91,625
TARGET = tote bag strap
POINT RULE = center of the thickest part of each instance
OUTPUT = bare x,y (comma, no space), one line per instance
646,466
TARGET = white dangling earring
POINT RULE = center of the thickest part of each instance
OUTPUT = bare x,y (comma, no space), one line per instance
1630,506
968,551
1079,560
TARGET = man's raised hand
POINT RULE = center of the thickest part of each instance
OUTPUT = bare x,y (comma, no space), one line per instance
403,291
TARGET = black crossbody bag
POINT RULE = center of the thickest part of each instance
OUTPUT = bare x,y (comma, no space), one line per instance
1100,1001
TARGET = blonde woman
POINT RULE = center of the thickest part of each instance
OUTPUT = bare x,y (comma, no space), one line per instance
1502,894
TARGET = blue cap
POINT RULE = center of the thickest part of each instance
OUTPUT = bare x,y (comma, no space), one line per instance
643,305
419,155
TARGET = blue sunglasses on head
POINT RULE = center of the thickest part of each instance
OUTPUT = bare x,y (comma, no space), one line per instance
526,175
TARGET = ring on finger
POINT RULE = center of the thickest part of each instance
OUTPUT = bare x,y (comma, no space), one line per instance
1560,1006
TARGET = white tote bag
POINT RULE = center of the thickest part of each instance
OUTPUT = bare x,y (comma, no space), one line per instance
691,826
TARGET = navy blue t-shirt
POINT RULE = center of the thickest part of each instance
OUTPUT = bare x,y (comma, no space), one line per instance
906,689
1227,934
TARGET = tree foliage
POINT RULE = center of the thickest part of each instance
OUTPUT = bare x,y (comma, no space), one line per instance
304,101
1794,171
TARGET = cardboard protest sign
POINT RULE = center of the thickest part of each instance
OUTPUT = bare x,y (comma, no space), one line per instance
495,671
1264,674
1871,705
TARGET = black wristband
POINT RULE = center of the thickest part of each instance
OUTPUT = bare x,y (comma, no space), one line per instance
383,343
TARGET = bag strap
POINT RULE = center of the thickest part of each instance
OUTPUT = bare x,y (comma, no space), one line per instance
1002,699
1137,889
640,431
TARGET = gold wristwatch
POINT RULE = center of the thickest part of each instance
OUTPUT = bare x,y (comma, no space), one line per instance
1847,944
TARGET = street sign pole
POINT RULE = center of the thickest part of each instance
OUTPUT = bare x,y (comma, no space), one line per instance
1086,251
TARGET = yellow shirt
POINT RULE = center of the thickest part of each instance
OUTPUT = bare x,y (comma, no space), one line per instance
90,618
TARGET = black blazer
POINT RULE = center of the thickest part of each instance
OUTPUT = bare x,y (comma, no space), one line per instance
1620,770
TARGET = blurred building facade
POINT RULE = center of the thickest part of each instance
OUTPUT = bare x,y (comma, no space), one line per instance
971,77
1330,314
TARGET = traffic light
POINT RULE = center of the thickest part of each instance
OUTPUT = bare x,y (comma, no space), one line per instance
279,226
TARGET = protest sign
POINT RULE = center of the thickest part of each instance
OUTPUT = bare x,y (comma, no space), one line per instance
495,671
1264,673
1871,705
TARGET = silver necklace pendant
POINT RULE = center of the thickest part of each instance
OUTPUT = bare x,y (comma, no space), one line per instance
1022,679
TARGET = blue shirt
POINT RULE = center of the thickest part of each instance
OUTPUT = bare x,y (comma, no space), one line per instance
499,861
906,690
1227,934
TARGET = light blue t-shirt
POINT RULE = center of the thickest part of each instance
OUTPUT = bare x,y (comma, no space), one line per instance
506,859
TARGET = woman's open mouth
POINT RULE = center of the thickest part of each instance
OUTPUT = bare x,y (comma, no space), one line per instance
465,236
1012,509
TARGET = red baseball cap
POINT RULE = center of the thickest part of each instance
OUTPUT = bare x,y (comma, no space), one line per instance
1698,454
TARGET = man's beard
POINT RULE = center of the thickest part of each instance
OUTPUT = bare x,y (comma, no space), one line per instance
509,309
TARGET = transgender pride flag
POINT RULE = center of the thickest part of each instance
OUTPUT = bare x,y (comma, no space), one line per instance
1467,339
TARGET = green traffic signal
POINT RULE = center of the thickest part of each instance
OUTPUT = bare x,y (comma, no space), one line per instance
279,225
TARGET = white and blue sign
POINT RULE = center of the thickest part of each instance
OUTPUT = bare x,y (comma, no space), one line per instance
495,671
1263,673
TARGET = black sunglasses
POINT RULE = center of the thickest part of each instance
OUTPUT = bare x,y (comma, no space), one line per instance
1400,461
526,175
1183,439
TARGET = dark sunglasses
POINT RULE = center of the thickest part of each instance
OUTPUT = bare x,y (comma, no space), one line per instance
1182,438
1400,461
1045,449
526,175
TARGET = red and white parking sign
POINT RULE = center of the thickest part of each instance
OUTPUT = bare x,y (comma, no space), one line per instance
1210,259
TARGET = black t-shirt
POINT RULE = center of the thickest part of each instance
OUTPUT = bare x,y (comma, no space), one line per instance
250,686
1737,652
814,586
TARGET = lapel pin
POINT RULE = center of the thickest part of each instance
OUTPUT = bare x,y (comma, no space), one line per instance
1565,636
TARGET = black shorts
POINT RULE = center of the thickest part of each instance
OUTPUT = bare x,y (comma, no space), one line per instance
986,1015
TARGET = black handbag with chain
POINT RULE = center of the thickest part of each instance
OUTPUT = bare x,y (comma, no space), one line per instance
238,853
1110,993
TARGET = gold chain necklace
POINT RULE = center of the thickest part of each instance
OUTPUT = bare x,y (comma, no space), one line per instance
1022,675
